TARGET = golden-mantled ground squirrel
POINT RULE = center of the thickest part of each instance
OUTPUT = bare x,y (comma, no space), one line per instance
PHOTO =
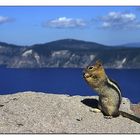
109,92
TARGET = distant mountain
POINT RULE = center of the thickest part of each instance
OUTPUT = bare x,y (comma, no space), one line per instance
71,44
136,44
68,53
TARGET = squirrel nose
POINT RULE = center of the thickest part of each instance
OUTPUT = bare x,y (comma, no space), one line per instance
86,75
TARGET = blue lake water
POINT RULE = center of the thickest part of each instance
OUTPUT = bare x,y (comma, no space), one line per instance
65,81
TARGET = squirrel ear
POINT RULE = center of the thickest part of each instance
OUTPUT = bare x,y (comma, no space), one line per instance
99,63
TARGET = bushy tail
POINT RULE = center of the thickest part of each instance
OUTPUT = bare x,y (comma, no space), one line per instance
131,117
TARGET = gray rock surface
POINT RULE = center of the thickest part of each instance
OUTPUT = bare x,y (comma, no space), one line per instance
31,112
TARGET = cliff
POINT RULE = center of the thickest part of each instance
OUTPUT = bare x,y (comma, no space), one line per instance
68,53
31,112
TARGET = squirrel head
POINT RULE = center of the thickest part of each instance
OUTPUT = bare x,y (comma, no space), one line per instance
95,74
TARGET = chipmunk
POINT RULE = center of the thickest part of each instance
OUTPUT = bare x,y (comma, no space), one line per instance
109,92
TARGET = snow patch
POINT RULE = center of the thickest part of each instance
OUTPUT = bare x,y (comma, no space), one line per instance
59,53
37,57
120,63
92,57
27,53
124,60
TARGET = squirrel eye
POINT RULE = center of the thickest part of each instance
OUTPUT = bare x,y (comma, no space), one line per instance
90,67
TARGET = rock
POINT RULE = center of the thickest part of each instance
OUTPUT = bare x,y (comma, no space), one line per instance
32,112
136,109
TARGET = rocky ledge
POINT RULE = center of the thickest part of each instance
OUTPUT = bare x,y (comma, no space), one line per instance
31,112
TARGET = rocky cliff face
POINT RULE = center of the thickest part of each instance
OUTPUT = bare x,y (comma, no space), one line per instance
68,53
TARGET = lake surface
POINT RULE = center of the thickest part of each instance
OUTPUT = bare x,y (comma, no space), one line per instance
65,81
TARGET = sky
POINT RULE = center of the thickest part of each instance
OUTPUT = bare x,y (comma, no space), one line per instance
106,25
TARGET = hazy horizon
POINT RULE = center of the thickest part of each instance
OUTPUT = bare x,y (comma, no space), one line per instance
70,39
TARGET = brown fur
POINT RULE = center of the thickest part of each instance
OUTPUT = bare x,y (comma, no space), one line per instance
109,98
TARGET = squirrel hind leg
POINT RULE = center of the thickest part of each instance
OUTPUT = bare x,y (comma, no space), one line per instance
111,116
108,117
